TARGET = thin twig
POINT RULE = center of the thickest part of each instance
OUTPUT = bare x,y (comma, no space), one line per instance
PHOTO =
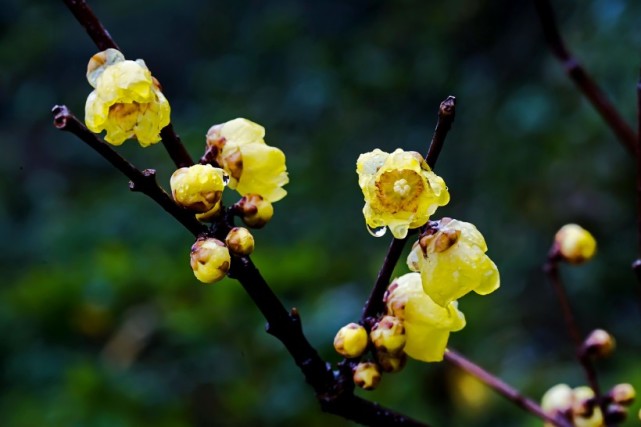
501,387
582,79
551,269
374,304
334,395
143,181
636,265
103,40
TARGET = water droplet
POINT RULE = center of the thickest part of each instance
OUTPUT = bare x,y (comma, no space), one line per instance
225,178
377,231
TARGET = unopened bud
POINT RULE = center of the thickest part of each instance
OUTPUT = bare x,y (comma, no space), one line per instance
557,400
198,187
367,375
351,340
212,214
599,343
575,244
240,241
391,362
584,404
210,260
622,394
388,335
254,210
615,414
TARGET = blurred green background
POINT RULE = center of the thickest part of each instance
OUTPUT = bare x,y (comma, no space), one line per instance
101,319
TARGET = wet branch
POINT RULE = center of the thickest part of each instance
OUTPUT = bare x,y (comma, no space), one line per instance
582,79
374,304
501,387
551,269
333,393
103,40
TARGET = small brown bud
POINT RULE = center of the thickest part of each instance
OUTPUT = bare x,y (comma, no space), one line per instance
367,375
391,362
599,344
623,394
254,210
388,335
240,241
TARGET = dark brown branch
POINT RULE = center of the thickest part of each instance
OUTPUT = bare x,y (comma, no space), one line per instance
551,269
374,304
582,79
143,181
502,388
636,265
333,393
103,40
98,33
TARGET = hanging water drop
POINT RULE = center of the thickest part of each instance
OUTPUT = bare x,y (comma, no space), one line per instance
225,178
376,231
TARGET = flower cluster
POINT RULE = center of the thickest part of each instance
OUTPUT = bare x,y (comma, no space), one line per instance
244,163
448,260
127,101
580,406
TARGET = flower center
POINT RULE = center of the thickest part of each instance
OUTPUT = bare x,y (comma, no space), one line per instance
401,187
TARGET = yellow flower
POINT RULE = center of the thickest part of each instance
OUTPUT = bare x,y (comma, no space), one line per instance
253,166
127,101
575,244
198,187
452,262
400,190
427,324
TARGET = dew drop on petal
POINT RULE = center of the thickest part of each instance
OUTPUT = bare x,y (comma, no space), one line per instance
376,231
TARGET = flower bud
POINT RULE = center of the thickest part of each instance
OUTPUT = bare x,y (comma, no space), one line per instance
388,335
599,343
211,214
622,394
198,187
615,414
391,362
557,400
254,210
351,340
367,375
240,241
575,244
584,407
210,260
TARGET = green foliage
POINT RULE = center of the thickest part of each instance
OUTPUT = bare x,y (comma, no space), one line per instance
82,256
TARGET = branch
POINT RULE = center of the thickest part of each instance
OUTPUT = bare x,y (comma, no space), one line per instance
334,395
143,181
374,304
551,269
636,265
501,387
582,79
102,39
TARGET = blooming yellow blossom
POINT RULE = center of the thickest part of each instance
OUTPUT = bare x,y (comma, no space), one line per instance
127,101
198,187
400,190
452,262
575,244
253,166
427,324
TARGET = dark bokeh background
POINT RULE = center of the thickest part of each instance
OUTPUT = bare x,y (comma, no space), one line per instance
102,323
